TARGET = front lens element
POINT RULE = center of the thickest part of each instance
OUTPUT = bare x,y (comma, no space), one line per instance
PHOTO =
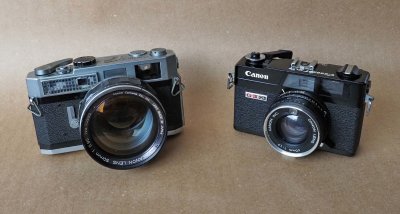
123,125
296,124
293,129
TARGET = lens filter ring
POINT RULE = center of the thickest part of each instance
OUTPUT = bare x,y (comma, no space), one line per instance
296,124
122,125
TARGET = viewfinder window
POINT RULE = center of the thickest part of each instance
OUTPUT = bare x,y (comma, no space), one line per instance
300,82
148,71
330,87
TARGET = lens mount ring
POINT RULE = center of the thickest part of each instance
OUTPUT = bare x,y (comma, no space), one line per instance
110,91
308,131
282,146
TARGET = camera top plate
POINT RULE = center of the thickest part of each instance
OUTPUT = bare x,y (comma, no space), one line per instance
68,76
276,71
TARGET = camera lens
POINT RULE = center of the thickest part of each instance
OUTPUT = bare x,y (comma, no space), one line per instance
296,124
293,129
123,124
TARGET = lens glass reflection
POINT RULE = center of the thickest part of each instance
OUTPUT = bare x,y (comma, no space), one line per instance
293,129
123,125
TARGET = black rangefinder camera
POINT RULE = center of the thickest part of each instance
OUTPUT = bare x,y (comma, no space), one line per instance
300,106
119,108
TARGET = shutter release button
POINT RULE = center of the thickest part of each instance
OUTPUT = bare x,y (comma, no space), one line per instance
158,52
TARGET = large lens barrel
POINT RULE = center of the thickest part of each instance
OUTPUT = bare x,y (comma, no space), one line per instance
296,124
123,124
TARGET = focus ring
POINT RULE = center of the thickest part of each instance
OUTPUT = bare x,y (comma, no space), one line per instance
302,96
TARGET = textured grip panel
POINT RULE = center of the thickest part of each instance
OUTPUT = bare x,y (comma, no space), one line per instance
52,128
345,127
249,114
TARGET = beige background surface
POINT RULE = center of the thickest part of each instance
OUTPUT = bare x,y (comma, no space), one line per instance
209,168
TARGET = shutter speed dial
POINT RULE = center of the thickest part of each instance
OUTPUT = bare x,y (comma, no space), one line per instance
84,61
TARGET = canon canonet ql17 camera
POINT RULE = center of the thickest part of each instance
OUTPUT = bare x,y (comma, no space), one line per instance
121,108
300,106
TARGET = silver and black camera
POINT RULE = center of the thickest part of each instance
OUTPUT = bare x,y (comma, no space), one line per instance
300,106
119,108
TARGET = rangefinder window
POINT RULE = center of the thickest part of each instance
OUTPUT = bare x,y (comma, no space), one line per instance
114,72
148,71
300,82
329,87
